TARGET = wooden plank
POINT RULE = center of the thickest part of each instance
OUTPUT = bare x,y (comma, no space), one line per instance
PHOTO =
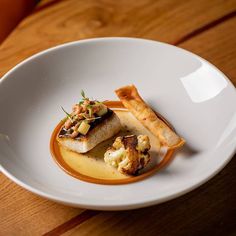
45,4
73,222
23,213
208,210
11,13
70,20
217,46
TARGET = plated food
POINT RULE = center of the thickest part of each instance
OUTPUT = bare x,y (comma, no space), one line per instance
129,153
96,137
89,123
167,82
131,99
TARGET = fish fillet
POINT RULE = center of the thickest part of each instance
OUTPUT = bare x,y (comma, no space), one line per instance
105,130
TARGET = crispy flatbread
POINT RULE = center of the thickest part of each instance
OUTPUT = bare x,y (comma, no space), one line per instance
131,99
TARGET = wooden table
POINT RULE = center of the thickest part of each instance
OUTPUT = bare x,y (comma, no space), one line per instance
207,28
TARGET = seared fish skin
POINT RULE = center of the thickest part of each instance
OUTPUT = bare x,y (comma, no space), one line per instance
102,131
90,123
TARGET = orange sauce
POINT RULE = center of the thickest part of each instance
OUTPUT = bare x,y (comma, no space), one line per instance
91,167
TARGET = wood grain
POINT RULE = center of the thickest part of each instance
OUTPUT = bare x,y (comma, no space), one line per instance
218,46
210,209
70,20
11,13
207,210
70,224
23,213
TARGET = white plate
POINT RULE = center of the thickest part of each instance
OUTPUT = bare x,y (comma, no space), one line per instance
190,92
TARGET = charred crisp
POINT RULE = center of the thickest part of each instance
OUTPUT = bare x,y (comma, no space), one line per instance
129,153
131,99
90,123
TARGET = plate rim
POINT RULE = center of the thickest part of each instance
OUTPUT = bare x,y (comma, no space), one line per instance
108,205
117,207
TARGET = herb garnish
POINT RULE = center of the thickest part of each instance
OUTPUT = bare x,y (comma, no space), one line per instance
94,118
88,106
83,94
67,114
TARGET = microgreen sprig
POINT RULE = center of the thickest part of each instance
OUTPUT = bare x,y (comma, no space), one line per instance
67,114
83,94
91,118
94,118
83,97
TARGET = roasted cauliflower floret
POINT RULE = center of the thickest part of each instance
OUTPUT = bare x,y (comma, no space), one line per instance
129,153
143,143
114,156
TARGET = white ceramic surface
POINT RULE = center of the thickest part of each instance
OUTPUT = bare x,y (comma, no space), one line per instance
190,92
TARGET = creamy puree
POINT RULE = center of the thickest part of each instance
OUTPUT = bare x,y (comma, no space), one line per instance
92,164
